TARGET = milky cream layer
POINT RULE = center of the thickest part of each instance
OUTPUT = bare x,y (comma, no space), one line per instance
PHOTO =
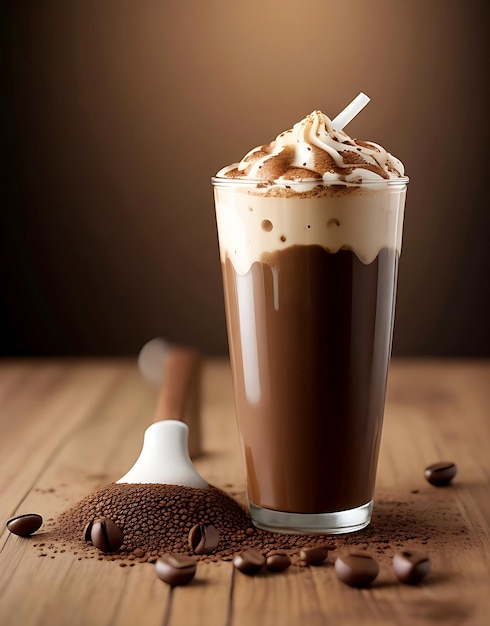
256,221
314,150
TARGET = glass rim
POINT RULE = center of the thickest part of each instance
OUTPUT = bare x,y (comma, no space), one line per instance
263,184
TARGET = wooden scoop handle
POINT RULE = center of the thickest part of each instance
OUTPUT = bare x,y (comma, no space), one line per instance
179,397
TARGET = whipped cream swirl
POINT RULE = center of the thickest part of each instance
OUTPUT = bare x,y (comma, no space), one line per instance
312,151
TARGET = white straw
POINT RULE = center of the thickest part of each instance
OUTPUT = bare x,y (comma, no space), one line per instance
350,111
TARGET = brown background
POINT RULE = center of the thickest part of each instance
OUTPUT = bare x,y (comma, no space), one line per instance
116,114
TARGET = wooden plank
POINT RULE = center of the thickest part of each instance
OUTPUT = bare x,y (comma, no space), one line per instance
206,600
270,599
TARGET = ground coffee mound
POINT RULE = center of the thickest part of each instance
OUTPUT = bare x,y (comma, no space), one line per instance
156,519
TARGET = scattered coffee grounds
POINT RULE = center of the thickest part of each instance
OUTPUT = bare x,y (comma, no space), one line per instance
411,567
440,474
356,570
25,525
157,519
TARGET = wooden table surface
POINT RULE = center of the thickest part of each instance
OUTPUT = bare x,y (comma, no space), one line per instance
68,427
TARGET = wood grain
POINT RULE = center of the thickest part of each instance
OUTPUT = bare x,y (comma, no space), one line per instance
68,427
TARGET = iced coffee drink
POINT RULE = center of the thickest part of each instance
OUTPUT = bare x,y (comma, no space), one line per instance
310,229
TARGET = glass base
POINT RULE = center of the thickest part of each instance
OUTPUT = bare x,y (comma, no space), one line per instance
335,523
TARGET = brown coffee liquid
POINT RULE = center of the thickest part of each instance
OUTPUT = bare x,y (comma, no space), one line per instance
318,327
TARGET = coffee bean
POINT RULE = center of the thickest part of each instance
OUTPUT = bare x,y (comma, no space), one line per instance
203,539
106,536
440,474
249,562
25,525
314,556
175,569
278,562
356,570
410,566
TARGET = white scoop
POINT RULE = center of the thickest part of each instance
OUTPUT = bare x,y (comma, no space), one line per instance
165,457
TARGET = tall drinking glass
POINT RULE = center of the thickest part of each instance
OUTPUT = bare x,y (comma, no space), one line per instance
310,274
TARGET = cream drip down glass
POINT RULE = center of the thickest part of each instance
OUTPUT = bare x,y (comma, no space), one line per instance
310,230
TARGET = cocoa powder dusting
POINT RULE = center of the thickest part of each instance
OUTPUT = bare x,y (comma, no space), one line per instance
156,519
